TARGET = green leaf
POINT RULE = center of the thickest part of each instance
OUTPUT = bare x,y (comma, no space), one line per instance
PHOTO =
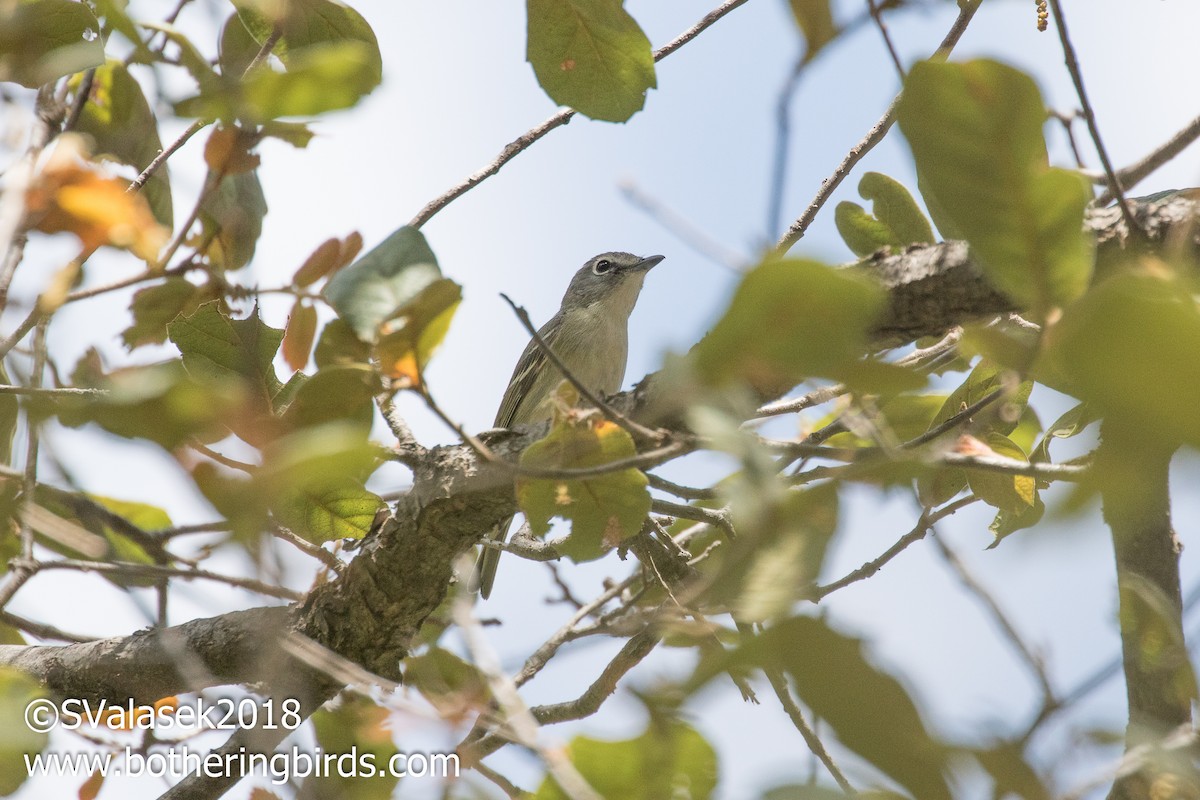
321,78
1007,523
815,19
238,48
334,393
904,417
1002,415
337,345
339,512
126,543
159,402
780,548
792,319
221,351
868,709
218,347
895,223
590,55
415,331
861,232
452,685
1127,349
43,40
936,487
354,725
377,286
153,308
17,691
894,207
976,134
671,759
120,122
115,17
1016,494
1011,773
316,460
1071,423
233,216
236,498
190,57
294,133
604,510
308,23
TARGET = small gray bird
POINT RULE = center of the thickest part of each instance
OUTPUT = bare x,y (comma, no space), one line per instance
590,334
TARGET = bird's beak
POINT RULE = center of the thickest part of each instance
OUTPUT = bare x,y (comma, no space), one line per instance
646,263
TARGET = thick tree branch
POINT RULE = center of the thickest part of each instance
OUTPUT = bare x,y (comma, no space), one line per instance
1133,470
372,612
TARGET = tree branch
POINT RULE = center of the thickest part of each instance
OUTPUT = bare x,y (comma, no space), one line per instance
527,139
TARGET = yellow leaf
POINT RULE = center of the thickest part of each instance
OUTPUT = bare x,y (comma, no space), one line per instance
73,195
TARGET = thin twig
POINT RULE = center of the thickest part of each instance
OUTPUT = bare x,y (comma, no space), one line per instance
679,490
874,136
187,530
81,98
631,654
646,460
220,458
481,449
1066,119
540,657
46,391
957,419
630,427
137,183
815,746
525,140
918,359
691,235
510,789
783,124
1089,116
717,517
29,482
519,719
924,524
972,584
18,575
308,548
47,113
141,277
1137,172
1012,466
41,629
408,449
129,569
877,15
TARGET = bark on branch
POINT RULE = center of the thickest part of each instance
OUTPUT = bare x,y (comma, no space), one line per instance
372,613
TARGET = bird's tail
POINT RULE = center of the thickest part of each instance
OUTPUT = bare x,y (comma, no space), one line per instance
489,559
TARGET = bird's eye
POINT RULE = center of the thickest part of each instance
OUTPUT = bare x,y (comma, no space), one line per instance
602,266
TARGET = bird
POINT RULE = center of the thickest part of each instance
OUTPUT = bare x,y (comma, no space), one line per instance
590,335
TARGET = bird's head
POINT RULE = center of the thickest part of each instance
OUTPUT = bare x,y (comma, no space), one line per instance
613,279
